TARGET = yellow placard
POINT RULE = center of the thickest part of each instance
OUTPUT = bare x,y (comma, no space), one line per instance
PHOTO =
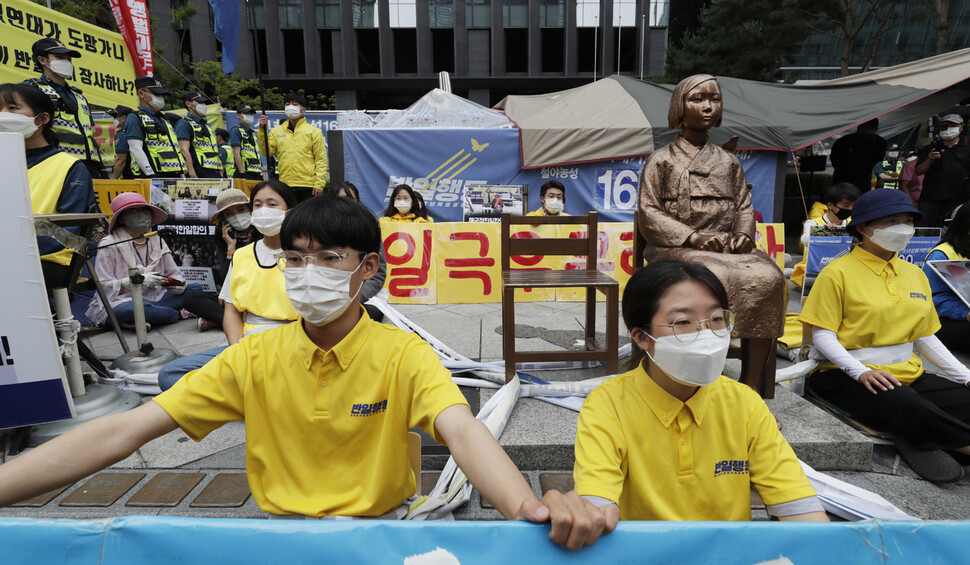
771,239
470,263
104,71
106,190
534,263
411,262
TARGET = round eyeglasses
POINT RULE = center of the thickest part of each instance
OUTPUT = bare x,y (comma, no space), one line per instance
326,258
686,328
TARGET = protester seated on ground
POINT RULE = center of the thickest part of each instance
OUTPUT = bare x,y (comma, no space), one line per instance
954,314
59,183
672,439
404,206
234,230
867,311
125,248
311,450
552,194
376,284
254,292
838,207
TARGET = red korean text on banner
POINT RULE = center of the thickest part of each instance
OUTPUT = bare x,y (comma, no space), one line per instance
132,18
408,281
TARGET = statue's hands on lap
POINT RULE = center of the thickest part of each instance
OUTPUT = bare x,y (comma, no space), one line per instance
741,243
705,242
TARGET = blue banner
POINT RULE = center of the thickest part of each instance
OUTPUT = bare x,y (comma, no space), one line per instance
442,162
822,250
226,29
151,540
324,120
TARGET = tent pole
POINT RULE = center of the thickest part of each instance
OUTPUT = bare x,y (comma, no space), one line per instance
619,41
596,30
643,38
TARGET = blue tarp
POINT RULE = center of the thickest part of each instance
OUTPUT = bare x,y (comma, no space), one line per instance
156,540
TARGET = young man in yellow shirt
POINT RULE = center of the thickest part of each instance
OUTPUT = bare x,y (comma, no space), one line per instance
553,197
327,400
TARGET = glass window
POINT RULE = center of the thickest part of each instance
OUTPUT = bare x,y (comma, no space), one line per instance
552,13
327,13
291,13
478,13
587,13
403,13
659,13
515,13
365,13
441,13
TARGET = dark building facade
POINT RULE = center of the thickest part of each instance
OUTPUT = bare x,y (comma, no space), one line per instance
375,54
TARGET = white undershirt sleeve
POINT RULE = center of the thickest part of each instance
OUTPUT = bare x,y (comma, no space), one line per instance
828,345
935,352
137,148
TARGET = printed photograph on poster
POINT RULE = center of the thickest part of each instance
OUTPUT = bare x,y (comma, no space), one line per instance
956,275
165,193
201,275
487,202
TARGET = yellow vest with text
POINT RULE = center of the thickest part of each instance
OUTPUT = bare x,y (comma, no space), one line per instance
46,181
258,289
204,146
248,150
230,163
161,146
74,131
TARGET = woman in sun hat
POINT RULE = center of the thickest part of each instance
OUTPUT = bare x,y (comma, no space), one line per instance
870,312
127,247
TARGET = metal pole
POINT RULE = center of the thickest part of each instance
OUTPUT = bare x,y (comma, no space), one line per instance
62,302
138,305
596,30
643,38
619,41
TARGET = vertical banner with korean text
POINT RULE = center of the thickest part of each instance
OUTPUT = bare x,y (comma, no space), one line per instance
103,71
411,262
132,19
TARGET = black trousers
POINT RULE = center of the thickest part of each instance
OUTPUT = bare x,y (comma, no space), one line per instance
955,334
932,412
303,193
204,305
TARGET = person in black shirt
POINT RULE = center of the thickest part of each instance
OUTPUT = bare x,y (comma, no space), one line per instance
946,166
853,156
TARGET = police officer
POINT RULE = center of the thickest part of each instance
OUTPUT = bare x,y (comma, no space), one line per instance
887,171
122,168
151,139
73,123
225,152
197,141
245,148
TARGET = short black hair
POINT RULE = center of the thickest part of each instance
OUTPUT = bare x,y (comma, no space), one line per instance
839,192
297,97
350,188
552,184
332,222
36,100
222,133
281,188
957,232
647,286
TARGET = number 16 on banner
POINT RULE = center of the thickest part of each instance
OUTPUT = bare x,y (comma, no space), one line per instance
616,189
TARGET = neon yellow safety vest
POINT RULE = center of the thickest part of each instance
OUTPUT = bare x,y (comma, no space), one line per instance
204,146
886,165
248,150
258,289
162,148
230,163
46,181
73,130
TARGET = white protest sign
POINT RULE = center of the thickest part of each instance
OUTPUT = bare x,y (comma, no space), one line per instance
201,275
192,210
33,387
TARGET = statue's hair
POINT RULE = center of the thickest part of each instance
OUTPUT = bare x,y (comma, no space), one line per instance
675,115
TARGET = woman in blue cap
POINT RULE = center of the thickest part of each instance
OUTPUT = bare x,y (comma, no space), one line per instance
870,313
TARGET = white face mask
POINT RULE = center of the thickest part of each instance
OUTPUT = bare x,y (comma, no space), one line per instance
17,123
893,154
63,68
911,158
138,220
695,363
403,206
201,109
247,118
157,102
950,133
241,221
320,294
894,238
292,111
554,205
268,220
117,123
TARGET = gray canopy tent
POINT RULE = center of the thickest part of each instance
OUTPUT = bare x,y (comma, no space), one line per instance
620,116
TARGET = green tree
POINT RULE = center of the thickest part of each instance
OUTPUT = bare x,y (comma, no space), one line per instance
739,38
96,12
230,90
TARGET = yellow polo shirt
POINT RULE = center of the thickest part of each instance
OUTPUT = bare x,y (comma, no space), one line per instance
662,459
869,302
410,218
542,212
326,431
